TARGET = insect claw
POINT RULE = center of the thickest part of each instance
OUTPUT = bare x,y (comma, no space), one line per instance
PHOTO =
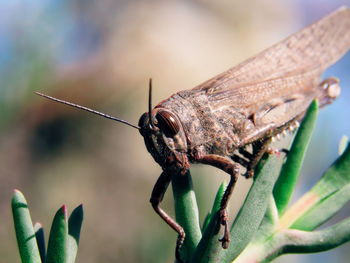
249,174
273,151
179,243
285,151
225,240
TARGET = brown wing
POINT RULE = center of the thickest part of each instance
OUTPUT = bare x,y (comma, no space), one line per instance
267,90
309,51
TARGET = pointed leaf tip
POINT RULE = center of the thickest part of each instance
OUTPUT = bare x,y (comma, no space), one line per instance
58,238
64,210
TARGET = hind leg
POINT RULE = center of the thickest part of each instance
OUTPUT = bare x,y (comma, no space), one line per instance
232,169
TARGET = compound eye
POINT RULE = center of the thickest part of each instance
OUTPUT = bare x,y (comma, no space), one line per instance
167,123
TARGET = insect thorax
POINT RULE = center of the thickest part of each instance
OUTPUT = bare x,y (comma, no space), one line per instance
215,132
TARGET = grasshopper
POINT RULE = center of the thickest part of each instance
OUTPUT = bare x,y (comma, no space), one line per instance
229,121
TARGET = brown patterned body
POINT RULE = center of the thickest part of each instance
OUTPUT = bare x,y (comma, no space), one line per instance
224,129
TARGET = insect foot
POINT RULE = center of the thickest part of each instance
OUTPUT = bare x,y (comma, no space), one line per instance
249,174
276,151
179,242
225,240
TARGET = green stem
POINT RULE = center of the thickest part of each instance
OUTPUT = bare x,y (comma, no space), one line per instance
317,241
253,210
208,244
291,169
186,210
295,241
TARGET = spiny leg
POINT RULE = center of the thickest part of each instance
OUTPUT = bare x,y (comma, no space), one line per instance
245,153
157,196
250,160
262,146
259,148
233,170
225,240
240,160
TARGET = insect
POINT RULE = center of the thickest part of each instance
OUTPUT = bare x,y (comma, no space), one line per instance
229,121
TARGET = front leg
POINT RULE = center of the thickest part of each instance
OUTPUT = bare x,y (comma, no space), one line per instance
157,196
233,170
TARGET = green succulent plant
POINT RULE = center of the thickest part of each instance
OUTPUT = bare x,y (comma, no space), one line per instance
63,239
266,227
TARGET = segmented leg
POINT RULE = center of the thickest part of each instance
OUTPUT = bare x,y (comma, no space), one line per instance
240,160
157,196
233,170
259,148
245,153
250,160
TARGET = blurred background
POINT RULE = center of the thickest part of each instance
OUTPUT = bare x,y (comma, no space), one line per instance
101,54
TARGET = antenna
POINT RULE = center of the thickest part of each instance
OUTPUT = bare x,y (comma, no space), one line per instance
87,109
150,103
